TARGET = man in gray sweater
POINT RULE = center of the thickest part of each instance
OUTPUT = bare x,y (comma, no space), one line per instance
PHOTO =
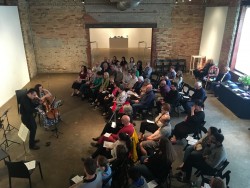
209,161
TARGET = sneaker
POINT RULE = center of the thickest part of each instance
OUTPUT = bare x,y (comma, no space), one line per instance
96,139
92,104
36,141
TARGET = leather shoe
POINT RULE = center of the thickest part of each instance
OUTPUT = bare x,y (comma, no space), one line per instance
94,144
96,139
36,141
35,148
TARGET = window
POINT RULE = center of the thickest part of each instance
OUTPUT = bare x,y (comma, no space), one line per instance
241,58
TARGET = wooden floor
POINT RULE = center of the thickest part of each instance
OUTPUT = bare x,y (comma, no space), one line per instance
80,122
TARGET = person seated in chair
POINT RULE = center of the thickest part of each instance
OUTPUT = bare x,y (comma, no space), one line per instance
92,178
150,142
191,122
137,86
199,94
160,120
127,128
136,179
178,79
145,101
224,75
147,71
162,90
200,146
158,165
200,73
171,98
207,163
172,74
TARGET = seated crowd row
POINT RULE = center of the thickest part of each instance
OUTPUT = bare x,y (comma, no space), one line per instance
120,146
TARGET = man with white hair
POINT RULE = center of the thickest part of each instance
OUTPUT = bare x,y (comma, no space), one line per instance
137,86
199,94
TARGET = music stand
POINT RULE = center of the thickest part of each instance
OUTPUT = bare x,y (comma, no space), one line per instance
23,133
7,142
9,126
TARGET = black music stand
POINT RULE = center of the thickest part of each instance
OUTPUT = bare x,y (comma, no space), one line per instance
7,142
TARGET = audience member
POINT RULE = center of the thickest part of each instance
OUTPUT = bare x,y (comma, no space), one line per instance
92,179
172,74
200,73
139,67
106,172
178,79
133,80
147,71
144,102
136,179
198,148
119,75
199,94
115,61
127,128
224,75
131,63
160,120
77,83
137,86
160,161
208,162
123,63
191,123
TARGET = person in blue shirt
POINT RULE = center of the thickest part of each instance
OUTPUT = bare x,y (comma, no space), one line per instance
145,100
105,170
224,75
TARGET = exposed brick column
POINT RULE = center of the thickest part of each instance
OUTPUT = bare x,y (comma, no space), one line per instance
88,48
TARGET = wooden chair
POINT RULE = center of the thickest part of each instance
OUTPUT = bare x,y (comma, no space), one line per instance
20,170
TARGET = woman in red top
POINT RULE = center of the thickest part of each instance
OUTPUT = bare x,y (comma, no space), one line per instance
80,79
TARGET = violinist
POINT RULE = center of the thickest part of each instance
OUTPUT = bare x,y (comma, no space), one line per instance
27,109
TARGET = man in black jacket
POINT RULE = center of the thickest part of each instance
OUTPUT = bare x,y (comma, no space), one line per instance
27,109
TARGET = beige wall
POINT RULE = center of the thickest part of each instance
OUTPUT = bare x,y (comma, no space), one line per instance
213,31
102,35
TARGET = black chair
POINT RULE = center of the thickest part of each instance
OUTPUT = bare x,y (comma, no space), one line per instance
19,94
4,155
198,133
166,181
217,173
182,65
20,170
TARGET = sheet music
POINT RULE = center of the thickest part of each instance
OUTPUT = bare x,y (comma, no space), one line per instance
23,132
206,186
107,135
31,165
108,144
77,179
113,125
150,121
152,184
192,142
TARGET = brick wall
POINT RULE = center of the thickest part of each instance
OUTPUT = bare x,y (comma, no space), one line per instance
27,37
61,41
59,35
182,38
